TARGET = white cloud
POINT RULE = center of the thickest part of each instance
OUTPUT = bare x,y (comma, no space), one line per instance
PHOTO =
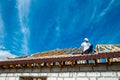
2,47
107,8
5,54
23,12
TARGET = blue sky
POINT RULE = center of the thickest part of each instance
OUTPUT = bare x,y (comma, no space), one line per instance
30,26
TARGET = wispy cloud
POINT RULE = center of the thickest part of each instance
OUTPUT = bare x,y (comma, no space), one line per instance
5,54
107,8
1,30
23,11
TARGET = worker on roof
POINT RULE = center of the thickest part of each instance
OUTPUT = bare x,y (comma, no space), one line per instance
87,47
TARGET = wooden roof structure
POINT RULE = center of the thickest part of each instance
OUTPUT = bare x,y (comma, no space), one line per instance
65,57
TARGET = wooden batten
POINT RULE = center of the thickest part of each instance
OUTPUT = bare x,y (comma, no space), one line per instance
12,66
71,63
20,66
29,65
66,57
95,62
109,61
5,66
38,65
59,64
48,65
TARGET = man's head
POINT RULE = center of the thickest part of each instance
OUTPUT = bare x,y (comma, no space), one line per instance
86,40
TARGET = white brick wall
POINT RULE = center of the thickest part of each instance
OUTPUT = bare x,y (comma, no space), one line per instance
6,70
108,74
82,78
93,74
73,69
27,70
60,79
69,78
85,68
65,73
43,74
73,74
81,74
53,74
10,74
114,67
50,78
34,74
10,78
26,74
12,70
118,73
100,68
92,79
3,74
108,78
17,78
20,70
35,70
44,70
64,69
2,78
55,69
17,74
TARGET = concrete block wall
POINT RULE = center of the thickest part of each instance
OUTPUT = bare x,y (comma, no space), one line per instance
111,72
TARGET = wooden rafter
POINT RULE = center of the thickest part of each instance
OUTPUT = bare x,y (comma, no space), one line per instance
65,57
